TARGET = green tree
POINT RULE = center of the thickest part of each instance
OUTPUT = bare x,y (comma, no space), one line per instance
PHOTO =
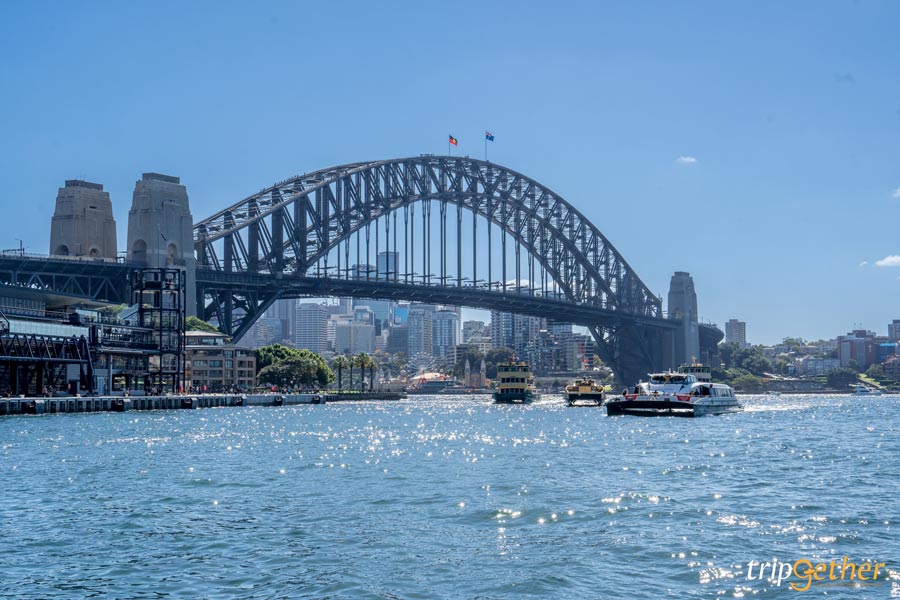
841,378
875,371
782,364
753,360
727,352
793,342
748,383
196,324
274,353
854,364
304,370
363,362
340,363
304,366
494,357
373,362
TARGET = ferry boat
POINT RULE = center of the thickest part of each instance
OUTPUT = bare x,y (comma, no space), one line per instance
688,392
515,384
860,389
585,392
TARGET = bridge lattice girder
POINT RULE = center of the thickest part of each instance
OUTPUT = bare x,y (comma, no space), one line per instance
288,228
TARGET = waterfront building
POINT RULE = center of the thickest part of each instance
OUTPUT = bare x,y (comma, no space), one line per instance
810,366
736,332
311,327
858,345
892,367
83,223
213,364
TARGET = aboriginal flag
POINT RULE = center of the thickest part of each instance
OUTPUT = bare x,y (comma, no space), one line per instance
453,141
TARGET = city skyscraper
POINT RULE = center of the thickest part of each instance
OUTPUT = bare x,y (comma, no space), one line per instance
445,332
736,332
894,330
387,265
353,338
419,328
311,328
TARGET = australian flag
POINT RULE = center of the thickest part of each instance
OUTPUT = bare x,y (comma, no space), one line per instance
488,136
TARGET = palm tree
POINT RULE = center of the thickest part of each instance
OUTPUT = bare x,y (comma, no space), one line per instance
362,361
340,363
372,364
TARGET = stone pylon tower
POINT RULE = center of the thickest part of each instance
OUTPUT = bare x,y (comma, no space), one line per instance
161,229
83,223
683,305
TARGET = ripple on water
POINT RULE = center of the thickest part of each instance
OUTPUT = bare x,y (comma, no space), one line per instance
441,497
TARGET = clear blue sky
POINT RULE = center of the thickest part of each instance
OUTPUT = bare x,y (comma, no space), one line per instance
786,114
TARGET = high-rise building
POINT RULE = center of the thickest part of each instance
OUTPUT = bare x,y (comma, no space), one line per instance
514,331
401,313
445,332
471,329
353,338
894,330
501,329
398,339
558,327
311,327
286,312
387,265
736,332
419,324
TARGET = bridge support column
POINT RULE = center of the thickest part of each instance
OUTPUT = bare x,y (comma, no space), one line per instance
161,228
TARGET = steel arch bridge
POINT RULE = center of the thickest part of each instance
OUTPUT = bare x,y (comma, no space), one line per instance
432,229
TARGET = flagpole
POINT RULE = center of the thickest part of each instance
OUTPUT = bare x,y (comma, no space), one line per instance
485,146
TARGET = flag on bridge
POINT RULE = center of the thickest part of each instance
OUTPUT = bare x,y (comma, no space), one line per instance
453,141
488,136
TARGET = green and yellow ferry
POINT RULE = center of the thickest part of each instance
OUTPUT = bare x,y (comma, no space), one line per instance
515,384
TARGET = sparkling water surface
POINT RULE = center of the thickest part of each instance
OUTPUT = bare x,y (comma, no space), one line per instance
445,497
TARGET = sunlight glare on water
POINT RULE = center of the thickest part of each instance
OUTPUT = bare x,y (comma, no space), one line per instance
442,497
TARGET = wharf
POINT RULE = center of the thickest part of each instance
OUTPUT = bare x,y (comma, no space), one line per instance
75,404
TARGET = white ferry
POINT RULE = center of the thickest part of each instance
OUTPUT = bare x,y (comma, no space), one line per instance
689,392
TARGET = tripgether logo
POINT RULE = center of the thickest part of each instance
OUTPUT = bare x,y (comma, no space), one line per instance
809,573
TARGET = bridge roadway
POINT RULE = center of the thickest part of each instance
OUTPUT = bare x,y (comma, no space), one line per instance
107,281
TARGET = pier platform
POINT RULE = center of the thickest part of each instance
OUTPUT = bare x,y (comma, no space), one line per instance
77,404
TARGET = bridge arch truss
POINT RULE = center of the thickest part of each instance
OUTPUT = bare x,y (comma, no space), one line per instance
450,230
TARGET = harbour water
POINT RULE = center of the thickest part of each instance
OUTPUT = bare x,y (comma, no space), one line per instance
446,497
